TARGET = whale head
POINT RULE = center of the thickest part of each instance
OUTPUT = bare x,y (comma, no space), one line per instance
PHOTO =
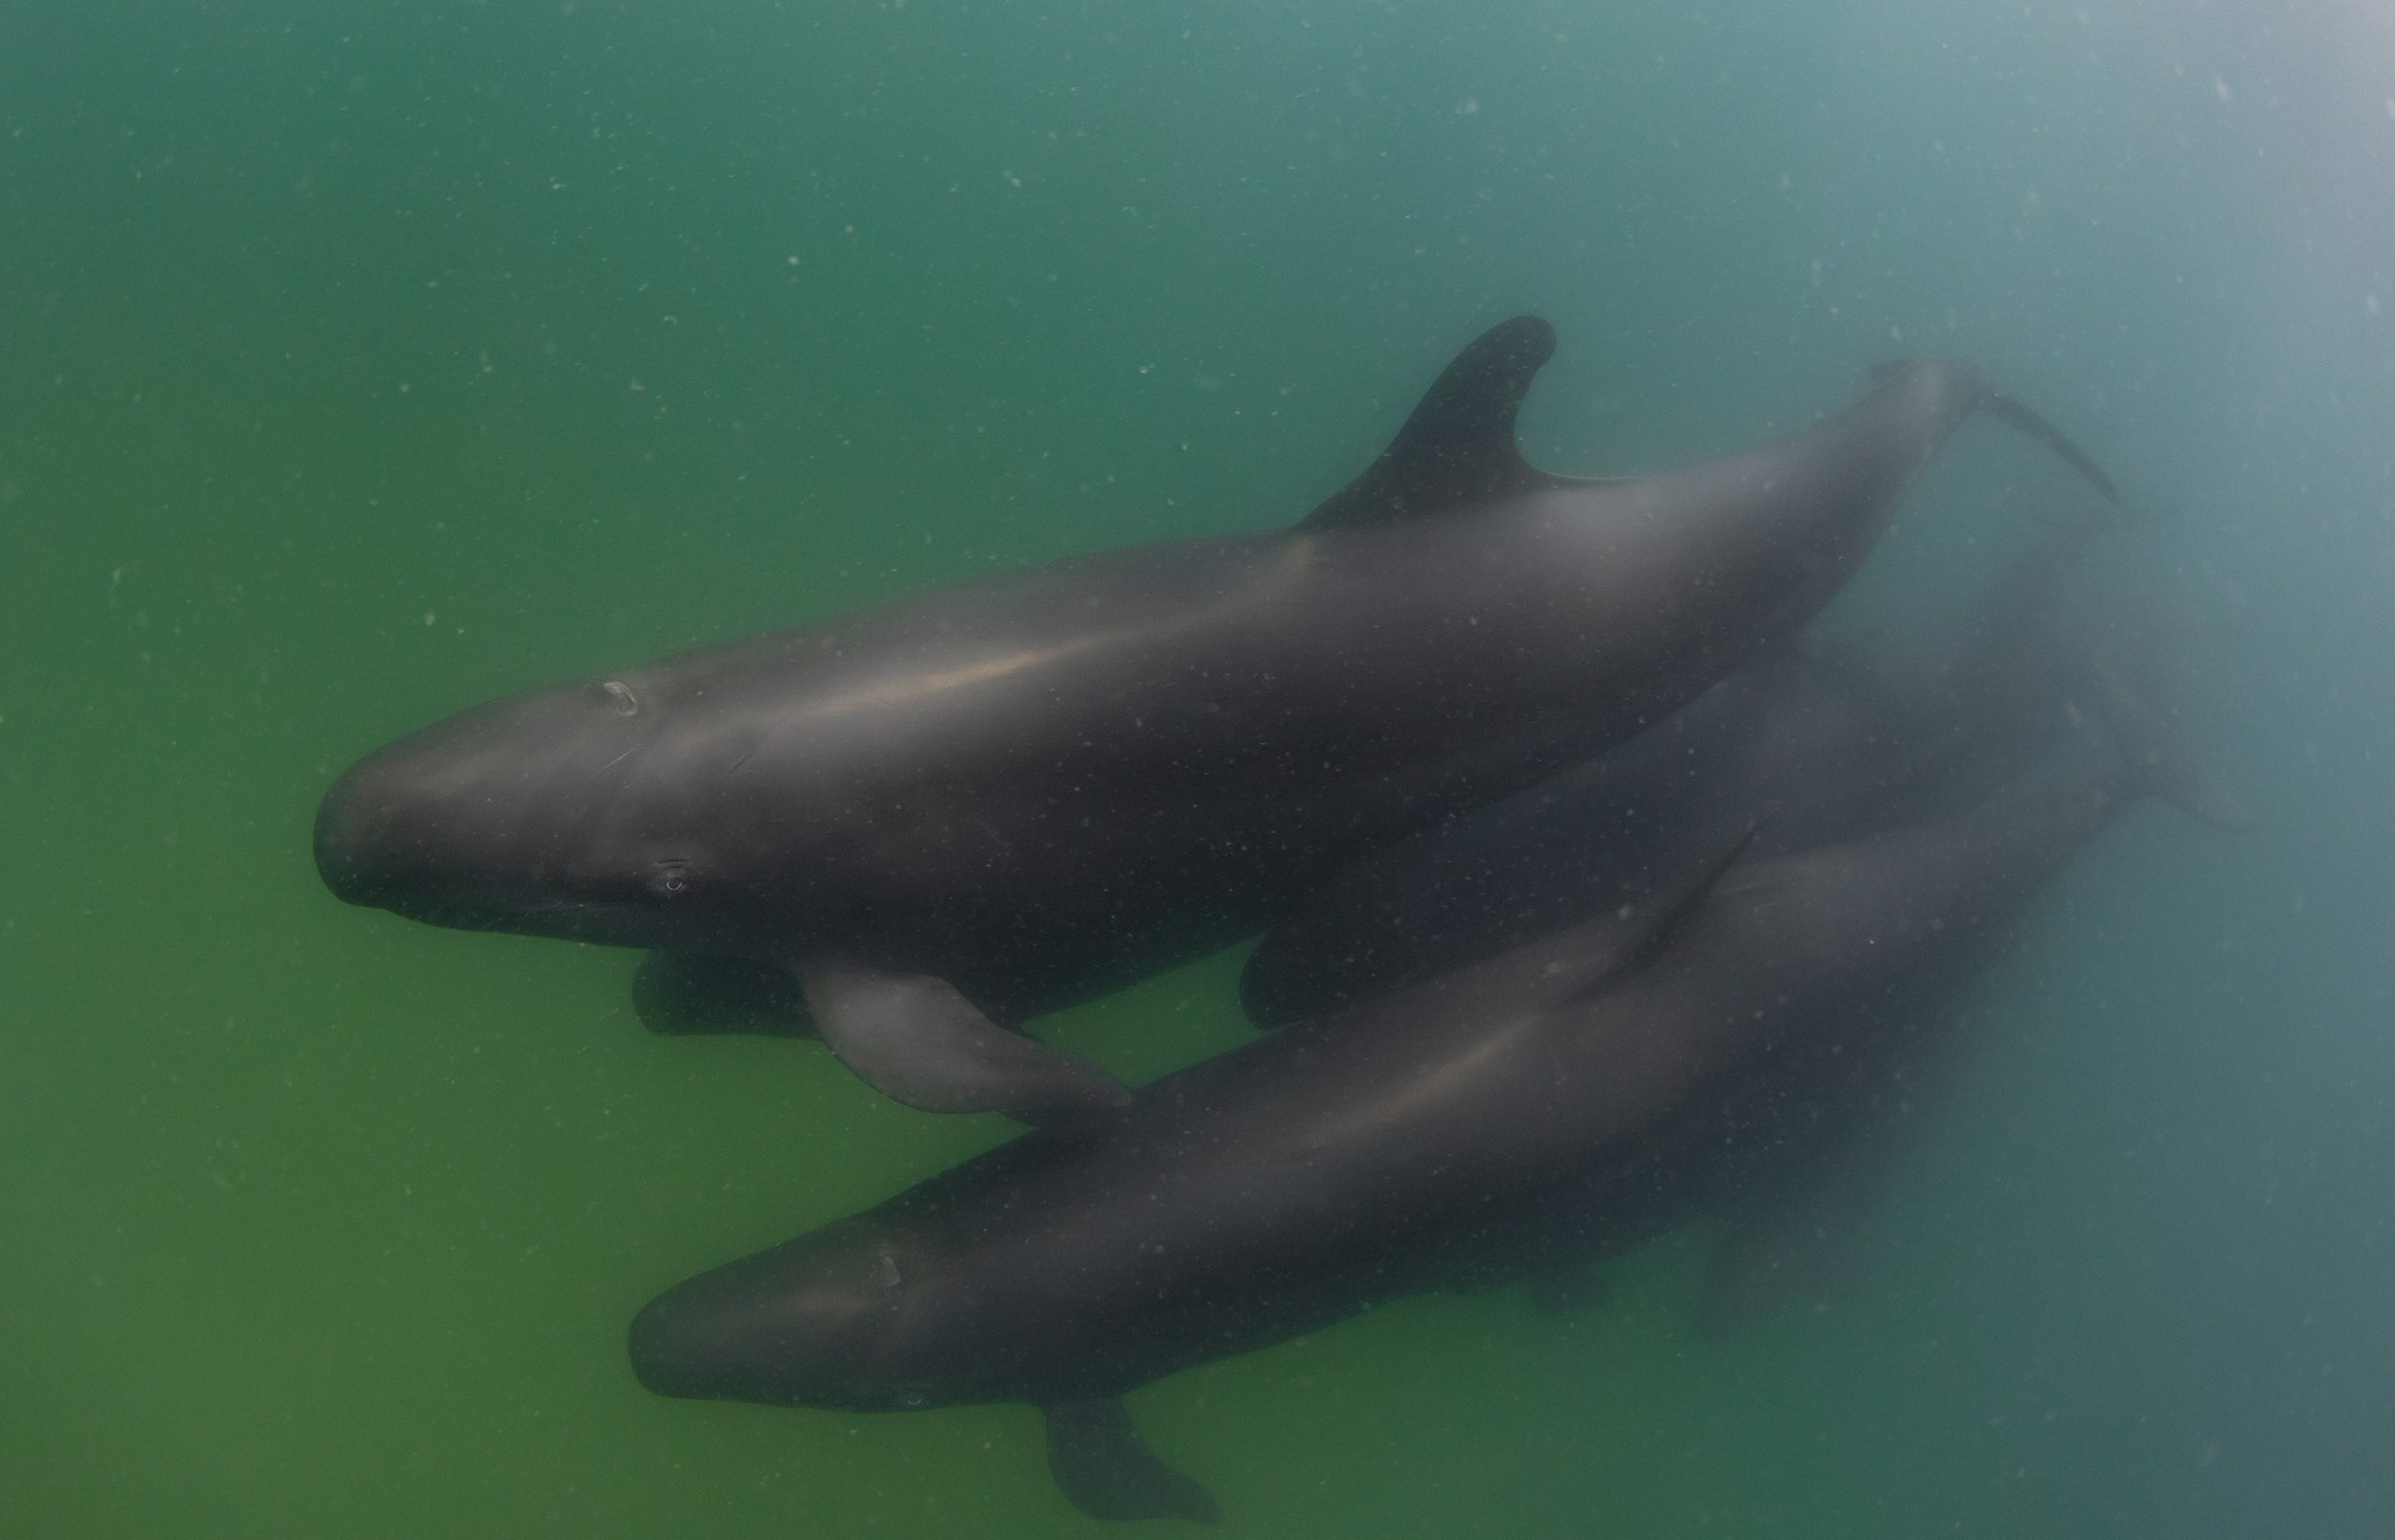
831,1320
571,812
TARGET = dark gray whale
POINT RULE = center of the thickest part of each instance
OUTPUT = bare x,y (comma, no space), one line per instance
1482,1126
983,804
1836,738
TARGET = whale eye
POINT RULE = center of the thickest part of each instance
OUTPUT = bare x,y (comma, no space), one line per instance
671,879
620,697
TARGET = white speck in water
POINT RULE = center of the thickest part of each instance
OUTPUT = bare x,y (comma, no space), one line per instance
1468,106
2219,88
428,618
2370,303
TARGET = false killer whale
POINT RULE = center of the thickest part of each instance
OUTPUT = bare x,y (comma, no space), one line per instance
1834,736
942,816
1488,1124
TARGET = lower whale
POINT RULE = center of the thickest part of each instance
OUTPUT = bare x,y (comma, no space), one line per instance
1470,1129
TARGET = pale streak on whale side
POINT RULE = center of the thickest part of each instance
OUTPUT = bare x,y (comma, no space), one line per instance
1275,582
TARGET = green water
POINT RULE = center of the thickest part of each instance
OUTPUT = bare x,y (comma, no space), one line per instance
359,362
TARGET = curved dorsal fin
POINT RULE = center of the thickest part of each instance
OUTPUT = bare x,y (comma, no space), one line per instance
1459,446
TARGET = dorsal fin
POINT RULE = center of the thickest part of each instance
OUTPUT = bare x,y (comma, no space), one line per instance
1459,446
1644,936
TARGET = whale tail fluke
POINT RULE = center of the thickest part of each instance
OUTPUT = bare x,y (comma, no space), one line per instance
2020,418
2014,413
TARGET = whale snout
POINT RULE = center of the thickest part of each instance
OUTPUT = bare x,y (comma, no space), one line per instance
384,839
673,1350
805,1323
353,841
495,815
391,834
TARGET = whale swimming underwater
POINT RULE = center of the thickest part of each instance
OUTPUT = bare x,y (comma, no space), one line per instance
940,817
1502,1121
1834,736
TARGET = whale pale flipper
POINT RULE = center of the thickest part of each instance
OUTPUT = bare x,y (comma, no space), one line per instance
915,1039
1107,1469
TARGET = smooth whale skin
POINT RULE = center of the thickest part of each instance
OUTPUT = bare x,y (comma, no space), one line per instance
1788,1160
983,804
1458,1133
1834,739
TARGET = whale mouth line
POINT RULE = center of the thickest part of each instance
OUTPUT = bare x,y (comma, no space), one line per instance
574,919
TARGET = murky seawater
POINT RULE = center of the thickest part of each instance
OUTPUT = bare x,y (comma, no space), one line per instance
361,361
